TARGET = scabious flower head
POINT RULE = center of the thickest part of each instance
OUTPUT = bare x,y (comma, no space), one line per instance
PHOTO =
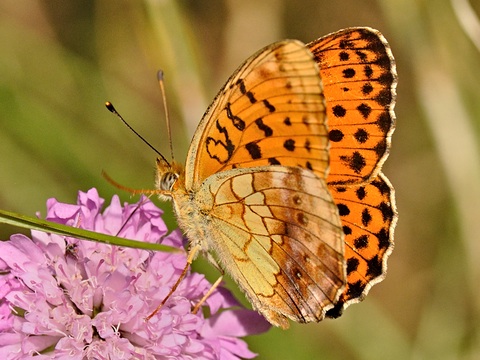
68,298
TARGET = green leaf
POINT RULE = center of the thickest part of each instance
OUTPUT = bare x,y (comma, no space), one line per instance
27,222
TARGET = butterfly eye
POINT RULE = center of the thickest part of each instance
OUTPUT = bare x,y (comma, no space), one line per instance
167,181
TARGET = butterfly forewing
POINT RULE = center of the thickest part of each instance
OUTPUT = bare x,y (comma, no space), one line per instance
277,232
270,112
359,78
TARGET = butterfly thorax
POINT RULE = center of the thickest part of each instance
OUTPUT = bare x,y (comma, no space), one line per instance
170,181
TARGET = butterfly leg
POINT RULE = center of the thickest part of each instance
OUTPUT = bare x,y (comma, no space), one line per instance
212,261
207,294
191,255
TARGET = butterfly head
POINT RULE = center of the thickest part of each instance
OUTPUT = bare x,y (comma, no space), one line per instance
169,177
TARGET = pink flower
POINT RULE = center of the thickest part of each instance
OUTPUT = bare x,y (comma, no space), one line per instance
69,298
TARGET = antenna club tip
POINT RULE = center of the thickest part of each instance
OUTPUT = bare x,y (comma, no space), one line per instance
160,75
110,107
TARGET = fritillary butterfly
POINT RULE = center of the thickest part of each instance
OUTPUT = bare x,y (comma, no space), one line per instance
295,209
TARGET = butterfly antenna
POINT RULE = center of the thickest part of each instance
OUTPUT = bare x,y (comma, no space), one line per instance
112,109
165,107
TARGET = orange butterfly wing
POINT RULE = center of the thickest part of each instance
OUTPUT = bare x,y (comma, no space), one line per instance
270,112
273,226
359,78
369,216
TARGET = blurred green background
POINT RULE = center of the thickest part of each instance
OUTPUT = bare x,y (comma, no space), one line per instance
61,60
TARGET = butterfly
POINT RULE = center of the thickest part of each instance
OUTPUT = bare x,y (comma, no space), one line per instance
282,186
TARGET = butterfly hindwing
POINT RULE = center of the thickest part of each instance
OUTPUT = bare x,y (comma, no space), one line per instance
277,232
369,216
